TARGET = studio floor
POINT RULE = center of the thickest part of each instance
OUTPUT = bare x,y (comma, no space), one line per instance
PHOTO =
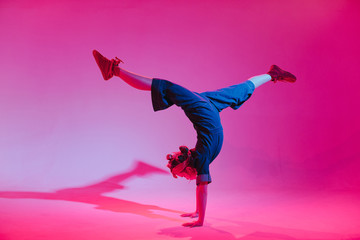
83,213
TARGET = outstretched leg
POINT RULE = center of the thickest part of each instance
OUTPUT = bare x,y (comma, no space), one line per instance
109,68
260,79
234,96
275,74
134,80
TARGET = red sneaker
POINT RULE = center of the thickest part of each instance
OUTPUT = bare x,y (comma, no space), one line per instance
277,74
106,66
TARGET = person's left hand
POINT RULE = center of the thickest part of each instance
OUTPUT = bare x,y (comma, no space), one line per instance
193,224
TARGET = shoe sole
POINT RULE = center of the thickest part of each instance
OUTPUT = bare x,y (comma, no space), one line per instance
98,56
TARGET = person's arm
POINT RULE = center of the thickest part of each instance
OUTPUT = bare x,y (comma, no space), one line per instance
201,199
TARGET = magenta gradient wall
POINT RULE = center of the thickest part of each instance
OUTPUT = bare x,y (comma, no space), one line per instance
61,125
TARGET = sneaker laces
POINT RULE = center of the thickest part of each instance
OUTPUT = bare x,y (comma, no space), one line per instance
117,61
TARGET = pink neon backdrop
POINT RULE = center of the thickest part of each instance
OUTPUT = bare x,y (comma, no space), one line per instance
62,126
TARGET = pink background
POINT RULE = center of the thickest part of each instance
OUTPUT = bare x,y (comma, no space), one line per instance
81,158
61,125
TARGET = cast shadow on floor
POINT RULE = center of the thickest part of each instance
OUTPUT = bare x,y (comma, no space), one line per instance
261,232
93,194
